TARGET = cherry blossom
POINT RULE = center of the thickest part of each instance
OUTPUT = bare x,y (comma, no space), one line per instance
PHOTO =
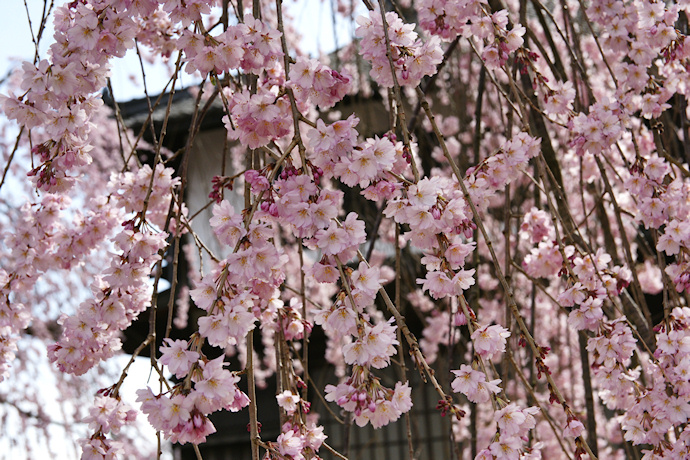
501,194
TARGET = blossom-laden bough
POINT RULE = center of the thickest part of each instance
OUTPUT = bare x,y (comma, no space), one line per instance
533,176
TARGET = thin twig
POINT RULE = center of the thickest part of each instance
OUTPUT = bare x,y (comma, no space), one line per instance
11,158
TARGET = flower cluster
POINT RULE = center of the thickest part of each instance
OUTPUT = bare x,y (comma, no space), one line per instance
448,18
300,442
431,206
177,357
499,169
369,401
315,82
373,348
182,413
242,286
309,211
558,98
490,341
257,119
597,131
253,46
328,144
107,415
650,412
514,424
368,162
592,284
470,18
536,225
59,92
366,346
155,28
473,384
411,58
297,439
544,260
122,291
43,240
663,206
665,405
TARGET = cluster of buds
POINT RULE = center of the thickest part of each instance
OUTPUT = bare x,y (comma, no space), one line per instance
446,406
219,183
